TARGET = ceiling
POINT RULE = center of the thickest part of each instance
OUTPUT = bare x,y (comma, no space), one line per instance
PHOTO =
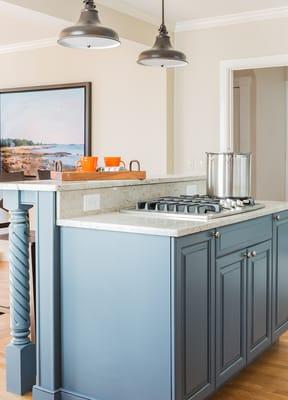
186,10
18,24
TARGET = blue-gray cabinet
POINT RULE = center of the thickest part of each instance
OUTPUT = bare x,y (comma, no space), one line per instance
230,316
163,318
194,317
280,275
259,291
243,308
223,291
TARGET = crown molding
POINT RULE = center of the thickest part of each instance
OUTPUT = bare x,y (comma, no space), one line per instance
23,46
232,19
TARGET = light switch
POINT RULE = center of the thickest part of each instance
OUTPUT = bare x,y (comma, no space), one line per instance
92,202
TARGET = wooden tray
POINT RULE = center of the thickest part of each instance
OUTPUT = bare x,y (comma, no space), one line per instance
97,176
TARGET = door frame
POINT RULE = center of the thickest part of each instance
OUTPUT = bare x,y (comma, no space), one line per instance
227,67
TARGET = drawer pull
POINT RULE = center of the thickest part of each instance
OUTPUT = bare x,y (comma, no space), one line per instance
216,235
253,253
277,217
248,254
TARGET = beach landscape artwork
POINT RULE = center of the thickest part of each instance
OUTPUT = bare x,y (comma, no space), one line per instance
39,127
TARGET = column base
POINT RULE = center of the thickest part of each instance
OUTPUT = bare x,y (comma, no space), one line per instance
20,368
42,394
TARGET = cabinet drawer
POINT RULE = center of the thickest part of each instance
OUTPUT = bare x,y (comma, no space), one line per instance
239,236
283,215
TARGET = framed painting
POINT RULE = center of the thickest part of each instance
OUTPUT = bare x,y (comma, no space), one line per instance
43,124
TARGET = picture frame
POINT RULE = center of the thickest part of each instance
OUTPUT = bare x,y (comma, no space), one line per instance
31,119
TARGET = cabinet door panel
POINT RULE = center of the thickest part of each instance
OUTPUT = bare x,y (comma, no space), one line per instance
259,300
194,318
230,316
280,276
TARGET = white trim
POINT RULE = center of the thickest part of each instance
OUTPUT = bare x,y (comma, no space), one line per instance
232,19
23,46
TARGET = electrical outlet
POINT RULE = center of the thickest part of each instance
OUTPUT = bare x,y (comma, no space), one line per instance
92,202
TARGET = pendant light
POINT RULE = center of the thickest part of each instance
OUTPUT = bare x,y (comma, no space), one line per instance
162,53
88,33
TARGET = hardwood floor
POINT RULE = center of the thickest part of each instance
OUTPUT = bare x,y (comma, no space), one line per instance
265,379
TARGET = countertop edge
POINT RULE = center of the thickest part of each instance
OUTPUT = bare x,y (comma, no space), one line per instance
56,186
187,228
65,223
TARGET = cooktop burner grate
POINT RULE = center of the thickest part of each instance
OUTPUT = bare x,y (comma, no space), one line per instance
198,207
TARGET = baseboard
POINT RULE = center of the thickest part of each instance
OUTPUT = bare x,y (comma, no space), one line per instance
42,394
61,394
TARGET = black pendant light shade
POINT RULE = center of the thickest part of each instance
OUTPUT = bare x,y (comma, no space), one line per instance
88,33
162,53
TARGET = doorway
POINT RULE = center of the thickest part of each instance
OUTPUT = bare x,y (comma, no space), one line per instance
260,127
267,138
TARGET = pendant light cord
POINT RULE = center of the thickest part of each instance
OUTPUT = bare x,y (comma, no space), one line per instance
163,30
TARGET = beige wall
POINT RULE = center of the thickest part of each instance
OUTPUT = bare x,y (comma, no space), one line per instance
129,28
129,101
197,86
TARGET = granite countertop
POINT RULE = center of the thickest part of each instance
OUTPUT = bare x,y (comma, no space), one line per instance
161,226
56,186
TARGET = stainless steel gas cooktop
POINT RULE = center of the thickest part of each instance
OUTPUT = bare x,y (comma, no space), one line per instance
194,208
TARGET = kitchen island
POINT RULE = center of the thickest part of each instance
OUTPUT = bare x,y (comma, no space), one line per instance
133,307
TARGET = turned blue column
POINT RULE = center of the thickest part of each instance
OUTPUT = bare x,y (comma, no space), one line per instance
20,353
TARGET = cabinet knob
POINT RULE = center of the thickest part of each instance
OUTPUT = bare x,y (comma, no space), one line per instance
248,254
253,253
216,235
277,217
